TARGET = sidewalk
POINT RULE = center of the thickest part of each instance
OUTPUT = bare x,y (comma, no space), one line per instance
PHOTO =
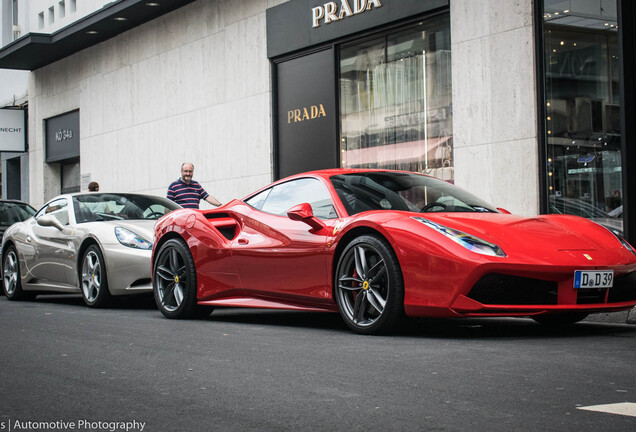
624,317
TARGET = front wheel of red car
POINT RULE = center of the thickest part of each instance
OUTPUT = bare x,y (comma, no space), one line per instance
175,281
369,287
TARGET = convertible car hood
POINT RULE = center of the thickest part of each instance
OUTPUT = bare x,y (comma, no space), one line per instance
547,232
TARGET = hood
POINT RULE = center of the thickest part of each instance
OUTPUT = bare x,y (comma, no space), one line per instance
144,228
543,237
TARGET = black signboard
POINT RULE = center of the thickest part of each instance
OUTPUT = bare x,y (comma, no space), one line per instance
299,24
62,136
306,114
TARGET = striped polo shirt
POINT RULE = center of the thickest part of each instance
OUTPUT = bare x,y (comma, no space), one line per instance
186,195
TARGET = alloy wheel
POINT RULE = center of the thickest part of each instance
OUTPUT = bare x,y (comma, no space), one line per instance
363,285
91,276
11,272
171,278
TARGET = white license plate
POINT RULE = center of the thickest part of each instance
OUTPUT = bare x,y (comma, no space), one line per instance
593,278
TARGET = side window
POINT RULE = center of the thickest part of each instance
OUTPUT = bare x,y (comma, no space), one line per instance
257,201
58,209
307,190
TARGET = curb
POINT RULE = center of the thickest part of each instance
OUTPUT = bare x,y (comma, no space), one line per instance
623,317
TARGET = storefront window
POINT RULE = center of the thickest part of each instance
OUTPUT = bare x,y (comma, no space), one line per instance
395,101
582,121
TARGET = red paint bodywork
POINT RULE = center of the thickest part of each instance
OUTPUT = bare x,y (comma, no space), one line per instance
270,261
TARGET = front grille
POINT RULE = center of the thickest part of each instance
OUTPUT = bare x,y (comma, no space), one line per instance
624,289
590,296
501,289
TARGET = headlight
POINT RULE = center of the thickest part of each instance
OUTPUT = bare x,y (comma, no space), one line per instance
470,242
130,239
621,239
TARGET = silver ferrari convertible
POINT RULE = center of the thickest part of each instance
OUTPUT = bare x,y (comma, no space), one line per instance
98,244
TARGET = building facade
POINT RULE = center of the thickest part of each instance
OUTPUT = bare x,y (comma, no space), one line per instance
19,18
522,102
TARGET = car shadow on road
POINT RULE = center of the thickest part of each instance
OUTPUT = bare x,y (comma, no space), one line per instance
506,328
460,328
135,301
449,328
274,317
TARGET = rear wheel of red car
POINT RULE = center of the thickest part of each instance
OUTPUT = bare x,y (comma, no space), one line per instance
560,319
369,287
175,281
11,283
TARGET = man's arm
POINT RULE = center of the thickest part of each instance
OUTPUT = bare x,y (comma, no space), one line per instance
213,201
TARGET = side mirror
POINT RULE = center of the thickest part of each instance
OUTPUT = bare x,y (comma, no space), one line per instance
48,220
503,210
304,213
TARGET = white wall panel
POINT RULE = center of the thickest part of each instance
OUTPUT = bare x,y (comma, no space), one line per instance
193,85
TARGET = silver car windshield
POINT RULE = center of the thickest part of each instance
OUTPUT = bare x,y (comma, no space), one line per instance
108,206
403,191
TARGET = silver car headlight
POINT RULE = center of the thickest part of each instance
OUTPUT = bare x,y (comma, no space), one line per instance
470,242
130,239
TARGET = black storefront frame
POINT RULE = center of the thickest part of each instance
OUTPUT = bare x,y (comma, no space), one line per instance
274,85
335,45
627,68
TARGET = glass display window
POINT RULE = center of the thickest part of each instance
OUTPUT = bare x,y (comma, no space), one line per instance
582,106
395,101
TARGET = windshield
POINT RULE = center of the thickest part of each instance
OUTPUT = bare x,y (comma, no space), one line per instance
11,213
107,206
403,191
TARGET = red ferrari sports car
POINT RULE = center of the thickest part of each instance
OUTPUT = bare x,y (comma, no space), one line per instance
379,246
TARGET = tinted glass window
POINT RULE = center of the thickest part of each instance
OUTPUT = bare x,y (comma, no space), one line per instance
58,209
403,191
395,101
307,190
257,201
11,213
584,167
99,207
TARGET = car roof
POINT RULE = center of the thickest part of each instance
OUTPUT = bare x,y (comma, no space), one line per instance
12,201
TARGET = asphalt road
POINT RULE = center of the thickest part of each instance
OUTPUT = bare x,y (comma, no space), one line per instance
243,370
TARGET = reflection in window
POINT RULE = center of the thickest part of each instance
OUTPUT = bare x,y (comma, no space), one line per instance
395,101
583,110
307,190
383,190
105,206
58,209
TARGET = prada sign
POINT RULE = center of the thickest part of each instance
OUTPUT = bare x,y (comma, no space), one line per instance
301,24
306,114
330,12
62,137
12,130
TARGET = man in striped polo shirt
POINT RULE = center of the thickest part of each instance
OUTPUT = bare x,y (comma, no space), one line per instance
187,192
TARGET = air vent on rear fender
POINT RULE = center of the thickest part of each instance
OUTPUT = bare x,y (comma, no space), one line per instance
224,224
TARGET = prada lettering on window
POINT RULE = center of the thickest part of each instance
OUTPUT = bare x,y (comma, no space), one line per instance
330,12
306,113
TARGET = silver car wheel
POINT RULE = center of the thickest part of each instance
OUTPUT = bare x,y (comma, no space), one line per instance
171,278
91,276
362,284
10,272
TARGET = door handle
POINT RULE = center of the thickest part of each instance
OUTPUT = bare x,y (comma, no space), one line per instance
243,241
